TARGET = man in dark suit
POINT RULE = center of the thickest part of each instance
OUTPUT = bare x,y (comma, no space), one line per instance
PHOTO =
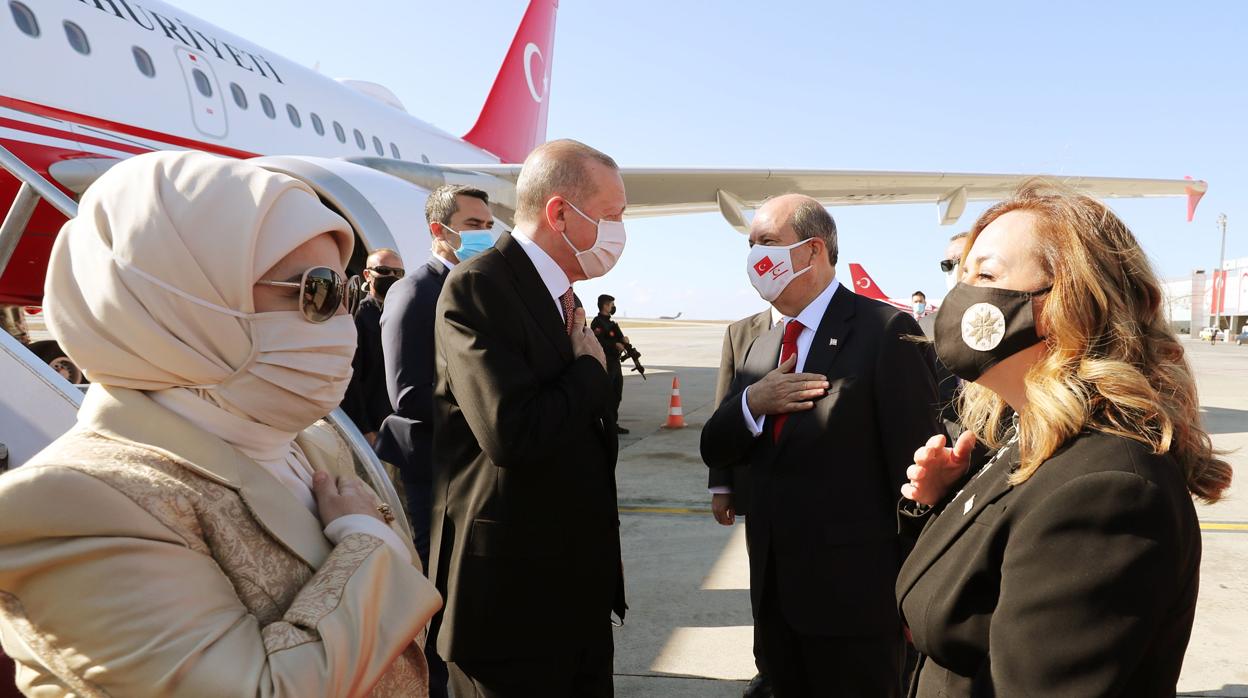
730,487
947,384
365,401
406,437
829,407
525,541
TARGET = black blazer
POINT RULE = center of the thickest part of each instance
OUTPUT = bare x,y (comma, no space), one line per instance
1079,582
406,437
365,401
737,340
526,543
825,496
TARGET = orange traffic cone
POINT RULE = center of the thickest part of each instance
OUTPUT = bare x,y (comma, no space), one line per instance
675,417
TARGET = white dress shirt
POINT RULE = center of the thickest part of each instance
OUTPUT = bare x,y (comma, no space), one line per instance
810,317
552,276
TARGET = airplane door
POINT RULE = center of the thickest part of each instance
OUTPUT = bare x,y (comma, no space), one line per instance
207,102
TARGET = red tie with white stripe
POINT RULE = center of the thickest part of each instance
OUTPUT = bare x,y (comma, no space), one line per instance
788,349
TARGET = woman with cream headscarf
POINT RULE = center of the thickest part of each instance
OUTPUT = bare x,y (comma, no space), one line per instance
198,533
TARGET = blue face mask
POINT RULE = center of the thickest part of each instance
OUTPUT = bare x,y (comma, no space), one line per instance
472,242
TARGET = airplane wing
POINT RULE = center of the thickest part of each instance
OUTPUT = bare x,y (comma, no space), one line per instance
670,191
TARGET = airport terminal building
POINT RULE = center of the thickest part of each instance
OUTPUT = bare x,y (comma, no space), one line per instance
1221,299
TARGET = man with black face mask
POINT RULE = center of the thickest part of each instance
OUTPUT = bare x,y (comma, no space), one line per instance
613,341
366,402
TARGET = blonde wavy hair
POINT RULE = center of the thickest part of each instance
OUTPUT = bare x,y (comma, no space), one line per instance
1112,363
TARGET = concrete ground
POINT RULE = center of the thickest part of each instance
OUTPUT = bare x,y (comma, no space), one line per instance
688,631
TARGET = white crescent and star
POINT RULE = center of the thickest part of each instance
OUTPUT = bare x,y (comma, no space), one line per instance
529,50
864,282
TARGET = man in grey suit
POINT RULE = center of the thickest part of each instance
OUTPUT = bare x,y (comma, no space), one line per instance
730,487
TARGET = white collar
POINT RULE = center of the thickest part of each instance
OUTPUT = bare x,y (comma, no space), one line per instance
552,276
812,314
445,262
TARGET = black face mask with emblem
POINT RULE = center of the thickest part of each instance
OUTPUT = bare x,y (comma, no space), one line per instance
978,327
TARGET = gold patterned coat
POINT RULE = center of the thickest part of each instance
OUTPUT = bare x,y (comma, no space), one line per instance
141,556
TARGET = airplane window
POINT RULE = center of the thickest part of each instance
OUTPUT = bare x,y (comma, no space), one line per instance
377,146
294,116
359,139
240,97
341,134
144,61
201,82
394,150
77,38
25,19
317,125
267,105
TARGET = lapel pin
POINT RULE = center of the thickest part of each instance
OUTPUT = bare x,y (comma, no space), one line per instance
832,342
969,503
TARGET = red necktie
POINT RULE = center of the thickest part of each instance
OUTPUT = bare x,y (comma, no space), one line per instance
569,305
788,349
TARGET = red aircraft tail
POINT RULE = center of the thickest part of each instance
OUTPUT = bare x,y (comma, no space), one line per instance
864,285
513,120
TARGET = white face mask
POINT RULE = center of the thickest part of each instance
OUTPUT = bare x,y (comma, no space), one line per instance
951,279
606,251
771,268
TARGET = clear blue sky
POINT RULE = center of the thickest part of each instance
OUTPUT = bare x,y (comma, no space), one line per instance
1135,89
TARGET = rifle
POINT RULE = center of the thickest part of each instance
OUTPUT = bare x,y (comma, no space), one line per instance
630,352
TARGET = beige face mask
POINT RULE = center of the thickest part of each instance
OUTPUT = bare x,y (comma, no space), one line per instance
298,370
297,373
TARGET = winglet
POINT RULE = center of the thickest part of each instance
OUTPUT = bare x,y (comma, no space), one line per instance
1194,193
513,119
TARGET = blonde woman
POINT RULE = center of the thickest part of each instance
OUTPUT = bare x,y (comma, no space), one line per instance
198,533
1068,564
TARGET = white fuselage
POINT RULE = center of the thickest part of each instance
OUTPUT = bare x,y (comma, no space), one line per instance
201,78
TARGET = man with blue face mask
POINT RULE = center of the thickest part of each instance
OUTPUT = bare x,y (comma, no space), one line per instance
460,224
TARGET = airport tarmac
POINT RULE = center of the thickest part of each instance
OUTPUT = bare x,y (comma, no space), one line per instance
688,630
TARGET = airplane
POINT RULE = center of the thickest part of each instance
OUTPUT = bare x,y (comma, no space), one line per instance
89,83
864,285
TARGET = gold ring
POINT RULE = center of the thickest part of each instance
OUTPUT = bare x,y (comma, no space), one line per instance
386,512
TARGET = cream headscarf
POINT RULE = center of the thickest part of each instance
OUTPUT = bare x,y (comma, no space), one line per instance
150,287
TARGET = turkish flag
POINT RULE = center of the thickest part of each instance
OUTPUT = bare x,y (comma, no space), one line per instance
1218,302
763,266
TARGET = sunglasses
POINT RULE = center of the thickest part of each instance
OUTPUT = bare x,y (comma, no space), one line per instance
381,270
322,291
948,265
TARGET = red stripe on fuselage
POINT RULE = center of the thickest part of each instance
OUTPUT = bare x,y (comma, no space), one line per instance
85,120
69,136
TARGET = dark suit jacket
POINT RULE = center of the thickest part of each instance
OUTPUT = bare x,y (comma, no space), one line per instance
365,401
1079,582
526,544
825,495
737,340
406,438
